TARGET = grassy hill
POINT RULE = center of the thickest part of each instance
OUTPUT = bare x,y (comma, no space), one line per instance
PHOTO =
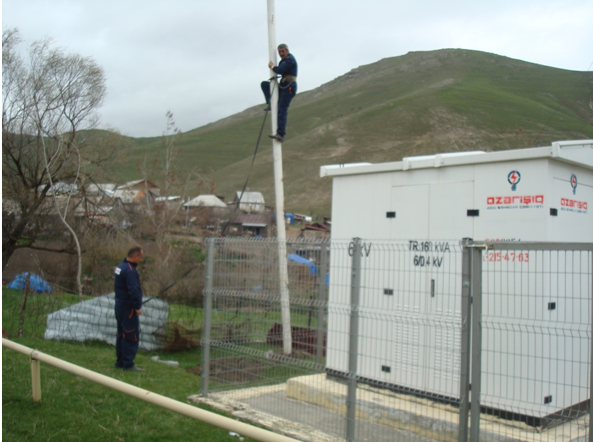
419,103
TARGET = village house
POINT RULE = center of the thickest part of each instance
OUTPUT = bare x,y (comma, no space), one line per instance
206,211
102,189
138,197
251,224
250,202
145,185
316,230
113,205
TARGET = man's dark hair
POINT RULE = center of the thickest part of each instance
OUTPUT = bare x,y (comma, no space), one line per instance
282,45
134,251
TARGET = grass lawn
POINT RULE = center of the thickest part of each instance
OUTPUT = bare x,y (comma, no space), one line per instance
75,409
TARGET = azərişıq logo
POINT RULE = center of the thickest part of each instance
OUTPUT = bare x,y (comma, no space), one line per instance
525,200
514,178
515,201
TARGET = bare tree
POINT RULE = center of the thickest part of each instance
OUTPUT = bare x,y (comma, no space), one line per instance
170,137
166,223
166,210
49,101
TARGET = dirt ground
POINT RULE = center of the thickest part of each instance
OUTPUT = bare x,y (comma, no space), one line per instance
54,267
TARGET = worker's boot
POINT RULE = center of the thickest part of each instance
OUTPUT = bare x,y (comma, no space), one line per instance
133,368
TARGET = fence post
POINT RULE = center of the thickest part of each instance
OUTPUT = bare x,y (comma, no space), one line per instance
591,352
206,333
466,305
35,380
322,274
356,250
476,350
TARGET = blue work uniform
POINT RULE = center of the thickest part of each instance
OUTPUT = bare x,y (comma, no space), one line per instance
128,299
287,89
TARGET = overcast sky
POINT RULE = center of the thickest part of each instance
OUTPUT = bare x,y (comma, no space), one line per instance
204,59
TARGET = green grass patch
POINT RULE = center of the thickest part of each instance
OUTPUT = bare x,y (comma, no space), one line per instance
75,409
37,307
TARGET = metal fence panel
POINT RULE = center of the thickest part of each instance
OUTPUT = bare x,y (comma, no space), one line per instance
408,358
407,367
536,328
248,366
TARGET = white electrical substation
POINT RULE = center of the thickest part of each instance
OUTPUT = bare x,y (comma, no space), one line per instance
429,204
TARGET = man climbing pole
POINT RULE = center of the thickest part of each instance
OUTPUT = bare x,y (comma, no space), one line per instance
287,68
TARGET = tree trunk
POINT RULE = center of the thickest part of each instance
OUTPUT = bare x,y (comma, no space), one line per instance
9,240
12,233
24,307
8,248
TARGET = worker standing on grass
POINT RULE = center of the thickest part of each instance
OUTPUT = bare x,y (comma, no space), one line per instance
128,308
287,68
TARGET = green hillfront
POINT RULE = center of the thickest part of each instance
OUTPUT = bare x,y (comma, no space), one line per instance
416,104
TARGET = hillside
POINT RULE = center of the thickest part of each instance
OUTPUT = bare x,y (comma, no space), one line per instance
419,103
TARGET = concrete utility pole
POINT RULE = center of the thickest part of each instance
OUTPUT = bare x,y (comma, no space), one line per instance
279,185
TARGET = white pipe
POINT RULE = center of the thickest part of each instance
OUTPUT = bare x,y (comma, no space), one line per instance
153,398
279,185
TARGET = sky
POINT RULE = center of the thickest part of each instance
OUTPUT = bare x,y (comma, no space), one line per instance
204,60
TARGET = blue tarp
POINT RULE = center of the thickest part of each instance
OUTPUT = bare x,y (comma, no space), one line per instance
312,267
37,283
300,260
